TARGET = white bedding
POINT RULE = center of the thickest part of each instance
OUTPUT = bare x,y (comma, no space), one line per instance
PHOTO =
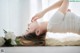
62,39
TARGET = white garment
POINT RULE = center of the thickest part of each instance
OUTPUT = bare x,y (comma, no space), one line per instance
64,23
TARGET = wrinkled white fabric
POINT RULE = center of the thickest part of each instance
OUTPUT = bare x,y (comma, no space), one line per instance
61,23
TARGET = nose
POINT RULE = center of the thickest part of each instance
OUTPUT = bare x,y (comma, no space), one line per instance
27,30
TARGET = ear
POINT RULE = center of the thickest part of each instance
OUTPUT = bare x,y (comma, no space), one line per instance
38,32
5,31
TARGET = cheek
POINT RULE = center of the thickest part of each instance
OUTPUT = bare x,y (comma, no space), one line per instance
41,30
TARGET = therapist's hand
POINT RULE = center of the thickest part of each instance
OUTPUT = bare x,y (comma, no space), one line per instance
37,16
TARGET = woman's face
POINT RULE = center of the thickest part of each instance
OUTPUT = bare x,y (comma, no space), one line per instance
35,27
32,27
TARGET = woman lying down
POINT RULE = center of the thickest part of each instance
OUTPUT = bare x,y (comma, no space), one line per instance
62,21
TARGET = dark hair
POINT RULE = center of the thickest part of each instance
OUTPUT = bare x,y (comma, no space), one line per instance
39,40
